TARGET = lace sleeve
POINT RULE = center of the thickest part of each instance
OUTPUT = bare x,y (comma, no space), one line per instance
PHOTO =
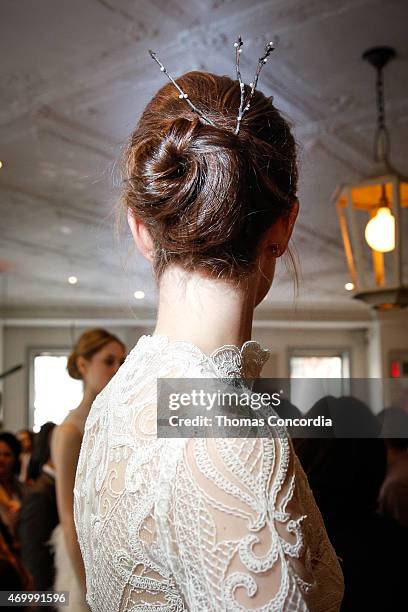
232,531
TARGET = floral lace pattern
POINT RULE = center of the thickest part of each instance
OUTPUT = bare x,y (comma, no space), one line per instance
205,525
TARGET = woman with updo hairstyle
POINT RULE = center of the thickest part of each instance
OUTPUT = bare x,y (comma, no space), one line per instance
95,359
175,518
203,197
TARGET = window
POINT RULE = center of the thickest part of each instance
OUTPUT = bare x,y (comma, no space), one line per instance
329,370
53,393
316,367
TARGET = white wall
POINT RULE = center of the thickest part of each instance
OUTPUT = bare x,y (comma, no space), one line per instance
18,340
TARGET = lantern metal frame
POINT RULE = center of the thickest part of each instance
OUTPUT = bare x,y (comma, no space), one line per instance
385,289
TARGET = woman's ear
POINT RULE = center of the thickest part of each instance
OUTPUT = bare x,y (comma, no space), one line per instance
278,236
141,236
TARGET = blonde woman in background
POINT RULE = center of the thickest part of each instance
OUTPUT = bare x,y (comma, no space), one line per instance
95,359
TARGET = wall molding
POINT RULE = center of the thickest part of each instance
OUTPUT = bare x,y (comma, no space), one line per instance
143,322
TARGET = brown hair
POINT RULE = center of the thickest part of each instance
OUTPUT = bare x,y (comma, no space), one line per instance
206,195
87,345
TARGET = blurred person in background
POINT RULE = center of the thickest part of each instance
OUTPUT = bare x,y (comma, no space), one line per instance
26,439
39,517
41,450
13,575
345,472
11,489
393,498
95,359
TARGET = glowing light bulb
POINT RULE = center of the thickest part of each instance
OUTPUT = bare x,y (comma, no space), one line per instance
1,164
380,231
139,295
72,280
349,286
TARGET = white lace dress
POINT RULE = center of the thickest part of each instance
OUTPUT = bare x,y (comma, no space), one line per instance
204,525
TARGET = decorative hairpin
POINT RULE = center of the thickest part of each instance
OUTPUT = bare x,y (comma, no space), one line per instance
182,94
244,105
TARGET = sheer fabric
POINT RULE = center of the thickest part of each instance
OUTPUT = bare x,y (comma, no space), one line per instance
205,525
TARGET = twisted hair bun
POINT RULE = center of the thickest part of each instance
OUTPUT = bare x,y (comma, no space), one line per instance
87,345
207,195
72,366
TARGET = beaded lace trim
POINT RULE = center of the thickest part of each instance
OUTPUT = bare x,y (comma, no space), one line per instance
228,360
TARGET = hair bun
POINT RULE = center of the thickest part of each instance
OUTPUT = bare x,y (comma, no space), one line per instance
179,174
171,166
205,194
87,345
72,366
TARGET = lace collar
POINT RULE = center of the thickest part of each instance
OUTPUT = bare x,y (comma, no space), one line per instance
228,360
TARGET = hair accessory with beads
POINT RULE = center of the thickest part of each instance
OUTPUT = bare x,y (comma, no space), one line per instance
244,104
182,94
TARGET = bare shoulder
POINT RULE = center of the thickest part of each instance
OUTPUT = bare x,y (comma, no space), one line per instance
66,435
72,425
68,429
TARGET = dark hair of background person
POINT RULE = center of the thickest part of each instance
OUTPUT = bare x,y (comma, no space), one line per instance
39,516
87,345
400,444
349,463
41,451
351,418
206,195
345,475
394,427
15,447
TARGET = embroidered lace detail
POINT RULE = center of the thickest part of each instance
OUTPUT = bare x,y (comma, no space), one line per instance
205,525
228,360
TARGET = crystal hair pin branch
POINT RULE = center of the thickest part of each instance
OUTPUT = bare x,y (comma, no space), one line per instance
182,94
244,105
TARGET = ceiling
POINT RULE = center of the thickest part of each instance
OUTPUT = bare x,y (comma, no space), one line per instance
76,76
